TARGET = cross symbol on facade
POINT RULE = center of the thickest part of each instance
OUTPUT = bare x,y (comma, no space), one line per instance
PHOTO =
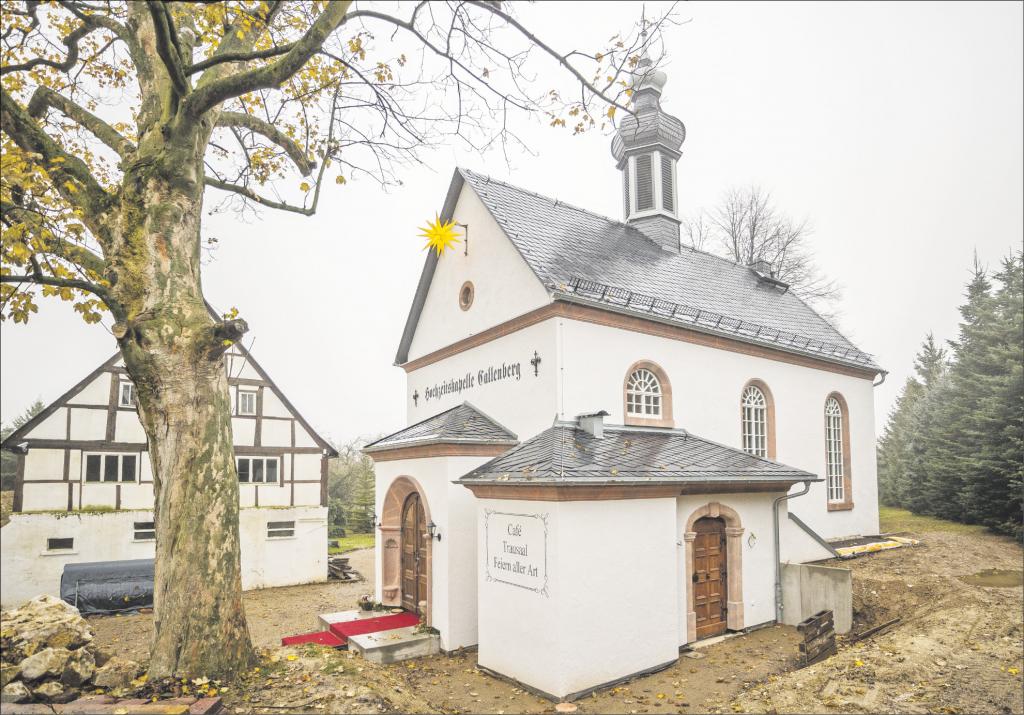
416,398
535,362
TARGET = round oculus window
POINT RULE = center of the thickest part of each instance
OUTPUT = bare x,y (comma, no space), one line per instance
466,295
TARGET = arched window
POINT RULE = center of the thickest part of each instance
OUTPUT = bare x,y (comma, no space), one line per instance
837,453
755,422
643,394
647,396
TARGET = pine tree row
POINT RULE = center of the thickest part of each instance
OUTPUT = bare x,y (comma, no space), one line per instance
954,443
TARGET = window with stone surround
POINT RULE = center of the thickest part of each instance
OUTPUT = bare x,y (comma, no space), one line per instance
834,454
755,422
643,394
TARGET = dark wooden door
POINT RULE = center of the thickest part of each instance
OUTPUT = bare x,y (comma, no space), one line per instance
708,580
414,553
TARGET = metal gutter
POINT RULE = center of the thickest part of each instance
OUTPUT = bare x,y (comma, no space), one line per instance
778,556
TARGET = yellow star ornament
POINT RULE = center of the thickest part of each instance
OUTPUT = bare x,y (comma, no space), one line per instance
440,235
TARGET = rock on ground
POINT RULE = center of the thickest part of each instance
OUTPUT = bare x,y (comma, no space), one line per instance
15,692
80,667
48,662
116,673
43,622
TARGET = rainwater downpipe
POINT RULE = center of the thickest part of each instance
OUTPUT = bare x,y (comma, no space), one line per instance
778,554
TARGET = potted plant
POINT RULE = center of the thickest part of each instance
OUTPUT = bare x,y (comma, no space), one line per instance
366,602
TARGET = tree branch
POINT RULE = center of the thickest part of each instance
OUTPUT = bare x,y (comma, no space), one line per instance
97,290
274,74
44,98
71,176
71,42
268,130
253,196
239,57
223,335
163,24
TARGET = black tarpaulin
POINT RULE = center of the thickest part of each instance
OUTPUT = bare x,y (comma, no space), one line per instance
108,586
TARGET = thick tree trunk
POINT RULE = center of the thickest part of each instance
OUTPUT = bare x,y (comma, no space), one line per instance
173,350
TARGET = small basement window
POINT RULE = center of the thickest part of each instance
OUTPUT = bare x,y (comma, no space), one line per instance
280,529
257,470
246,402
60,544
145,531
111,467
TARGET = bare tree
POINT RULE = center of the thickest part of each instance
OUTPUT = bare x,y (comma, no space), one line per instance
117,116
748,228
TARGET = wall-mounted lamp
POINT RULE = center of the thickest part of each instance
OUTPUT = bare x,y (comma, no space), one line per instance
432,531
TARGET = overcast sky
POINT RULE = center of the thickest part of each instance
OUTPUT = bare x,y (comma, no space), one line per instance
895,129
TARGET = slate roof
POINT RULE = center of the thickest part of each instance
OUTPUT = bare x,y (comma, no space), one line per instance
567,247
462,424
584,257
566,454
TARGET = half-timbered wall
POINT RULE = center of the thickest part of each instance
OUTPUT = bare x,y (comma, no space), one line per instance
94,426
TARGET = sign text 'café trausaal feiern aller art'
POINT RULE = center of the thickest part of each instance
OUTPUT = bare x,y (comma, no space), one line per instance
613,439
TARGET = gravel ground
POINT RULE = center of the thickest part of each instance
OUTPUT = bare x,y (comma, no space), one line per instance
271,612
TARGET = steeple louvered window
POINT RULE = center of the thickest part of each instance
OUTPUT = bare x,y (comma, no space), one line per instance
667,194
625,194
644,183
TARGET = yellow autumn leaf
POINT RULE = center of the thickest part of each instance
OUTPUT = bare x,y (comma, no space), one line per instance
304,186
340,179
1013,671
858,663
292,657
611,112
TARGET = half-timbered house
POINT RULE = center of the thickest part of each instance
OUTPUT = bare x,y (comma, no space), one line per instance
84,487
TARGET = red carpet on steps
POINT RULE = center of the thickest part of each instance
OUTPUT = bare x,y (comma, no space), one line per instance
320,638
339,633
347,629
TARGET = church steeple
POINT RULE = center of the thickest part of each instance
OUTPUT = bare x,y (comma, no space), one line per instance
646,149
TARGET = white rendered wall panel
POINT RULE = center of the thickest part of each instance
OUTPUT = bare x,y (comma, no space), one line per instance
96,392
88,425
53,427
276,433
243,431
128,428
44,464
504,285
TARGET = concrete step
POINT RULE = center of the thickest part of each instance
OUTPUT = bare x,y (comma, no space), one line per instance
395,645
324,620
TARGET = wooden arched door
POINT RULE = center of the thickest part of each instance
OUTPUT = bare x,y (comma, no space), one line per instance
414,553
708,578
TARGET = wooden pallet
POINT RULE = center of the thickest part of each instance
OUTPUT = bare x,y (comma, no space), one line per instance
819,638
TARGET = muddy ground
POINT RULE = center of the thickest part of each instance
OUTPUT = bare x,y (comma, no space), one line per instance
958,649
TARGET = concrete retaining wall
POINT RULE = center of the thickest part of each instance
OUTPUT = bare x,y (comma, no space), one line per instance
807,589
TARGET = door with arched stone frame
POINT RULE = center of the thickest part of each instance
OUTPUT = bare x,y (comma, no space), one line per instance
414,553
710,571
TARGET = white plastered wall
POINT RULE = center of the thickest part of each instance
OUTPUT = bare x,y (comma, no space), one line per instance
452,508
27,569
504,285
606,560
706,388
526,406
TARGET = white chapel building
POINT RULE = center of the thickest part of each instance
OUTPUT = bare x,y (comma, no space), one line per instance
605,428
84,487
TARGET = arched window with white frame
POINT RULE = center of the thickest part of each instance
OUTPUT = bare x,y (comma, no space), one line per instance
755,421
647,396
835,452
643,395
